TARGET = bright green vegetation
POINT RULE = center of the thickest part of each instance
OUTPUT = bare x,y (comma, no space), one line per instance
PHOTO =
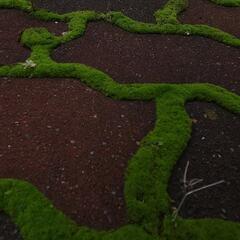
147,200
20,4
227,3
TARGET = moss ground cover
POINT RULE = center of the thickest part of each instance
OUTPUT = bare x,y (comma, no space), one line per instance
148,203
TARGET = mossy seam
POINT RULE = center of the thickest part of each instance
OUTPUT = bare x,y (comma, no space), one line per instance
149,170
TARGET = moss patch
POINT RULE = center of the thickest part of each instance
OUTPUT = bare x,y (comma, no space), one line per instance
227,3
149,210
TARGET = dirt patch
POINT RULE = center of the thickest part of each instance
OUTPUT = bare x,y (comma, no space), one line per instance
8,231
12,24
205,12
72,143
213,153
136,9
149,58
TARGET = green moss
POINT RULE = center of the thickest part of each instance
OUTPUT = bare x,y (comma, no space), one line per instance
39,37
77,22
24,5
45,15
147,200
131,25
227,3
32,212
170,11
149,170
204,229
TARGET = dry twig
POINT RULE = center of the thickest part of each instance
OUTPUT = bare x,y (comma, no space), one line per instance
189,185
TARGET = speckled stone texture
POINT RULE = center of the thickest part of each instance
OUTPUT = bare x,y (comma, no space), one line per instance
72,143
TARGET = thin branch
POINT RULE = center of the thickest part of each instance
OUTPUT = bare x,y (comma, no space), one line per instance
175,214
185,175
195,181
204,187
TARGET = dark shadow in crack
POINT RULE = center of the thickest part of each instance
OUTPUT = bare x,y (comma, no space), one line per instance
8,230
213,153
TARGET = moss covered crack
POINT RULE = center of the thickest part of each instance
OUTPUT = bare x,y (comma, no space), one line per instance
148,203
